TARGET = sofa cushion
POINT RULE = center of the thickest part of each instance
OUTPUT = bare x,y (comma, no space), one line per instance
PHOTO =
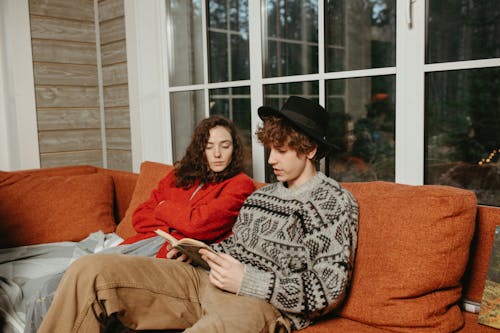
42,209
413,247
150,175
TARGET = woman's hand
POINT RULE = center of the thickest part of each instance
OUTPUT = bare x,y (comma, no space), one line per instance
226,272
177,255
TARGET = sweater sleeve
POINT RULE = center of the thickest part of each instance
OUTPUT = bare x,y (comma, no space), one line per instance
208,220
143,218
318,270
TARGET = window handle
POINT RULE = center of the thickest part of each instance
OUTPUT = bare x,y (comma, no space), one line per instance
409,13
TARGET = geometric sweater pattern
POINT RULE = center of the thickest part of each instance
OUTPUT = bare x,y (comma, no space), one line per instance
298,246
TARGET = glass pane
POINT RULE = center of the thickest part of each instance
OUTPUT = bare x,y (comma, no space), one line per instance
275,96
291,43
462,30
228,40
185,42
187,110
362,124
360,34
234,103
462,116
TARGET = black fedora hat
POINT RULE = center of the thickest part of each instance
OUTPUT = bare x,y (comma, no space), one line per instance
305,115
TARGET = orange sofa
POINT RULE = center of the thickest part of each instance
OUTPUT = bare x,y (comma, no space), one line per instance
422,250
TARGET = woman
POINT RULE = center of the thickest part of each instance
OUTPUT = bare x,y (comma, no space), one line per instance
202,196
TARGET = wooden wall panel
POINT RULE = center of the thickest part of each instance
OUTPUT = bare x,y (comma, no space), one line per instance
61,119
115,82
112,30
117,118
66,96
119,159
115,74
67,83
90,157
62,29
114,52
64,74
80,10
118,138
116,96
110,9
69,140
63,52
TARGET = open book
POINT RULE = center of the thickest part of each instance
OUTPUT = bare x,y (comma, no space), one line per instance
188,246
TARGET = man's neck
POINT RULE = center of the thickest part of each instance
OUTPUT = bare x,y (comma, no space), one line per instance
308,173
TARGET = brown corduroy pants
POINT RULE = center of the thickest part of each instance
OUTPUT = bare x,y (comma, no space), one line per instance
149,293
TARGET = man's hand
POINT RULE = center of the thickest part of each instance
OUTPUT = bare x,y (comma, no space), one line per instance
226,272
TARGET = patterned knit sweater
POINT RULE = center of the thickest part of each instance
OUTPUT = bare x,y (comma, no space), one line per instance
297,245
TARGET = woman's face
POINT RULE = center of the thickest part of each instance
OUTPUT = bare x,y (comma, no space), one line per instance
219,149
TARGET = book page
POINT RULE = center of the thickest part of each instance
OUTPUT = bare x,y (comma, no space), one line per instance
189,247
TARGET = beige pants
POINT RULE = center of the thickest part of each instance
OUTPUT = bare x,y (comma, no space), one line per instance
149,293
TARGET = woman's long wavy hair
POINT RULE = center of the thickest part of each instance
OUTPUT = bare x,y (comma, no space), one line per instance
194,164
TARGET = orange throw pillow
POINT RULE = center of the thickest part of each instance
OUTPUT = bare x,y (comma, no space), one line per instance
44,209
413,247
149,177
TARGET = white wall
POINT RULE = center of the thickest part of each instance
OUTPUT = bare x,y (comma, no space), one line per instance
18,129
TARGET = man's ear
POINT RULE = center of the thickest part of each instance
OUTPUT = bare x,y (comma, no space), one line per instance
310,155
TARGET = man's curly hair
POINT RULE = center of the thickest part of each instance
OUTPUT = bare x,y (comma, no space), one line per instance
280,133
194,164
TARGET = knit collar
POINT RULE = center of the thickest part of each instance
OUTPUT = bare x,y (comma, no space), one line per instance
302,189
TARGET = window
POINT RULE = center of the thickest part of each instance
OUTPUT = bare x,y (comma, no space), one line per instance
462,108
411,86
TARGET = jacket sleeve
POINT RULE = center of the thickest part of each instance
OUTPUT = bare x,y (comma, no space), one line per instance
143,219
208,220
318,281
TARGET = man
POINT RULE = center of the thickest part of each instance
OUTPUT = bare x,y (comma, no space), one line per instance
289,260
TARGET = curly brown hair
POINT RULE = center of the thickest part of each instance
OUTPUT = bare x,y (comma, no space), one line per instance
280,133
194,164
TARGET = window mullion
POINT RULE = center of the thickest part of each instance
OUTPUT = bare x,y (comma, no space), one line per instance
410,88
256,14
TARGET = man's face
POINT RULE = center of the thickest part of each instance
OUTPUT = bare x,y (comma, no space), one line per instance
290,167
219,149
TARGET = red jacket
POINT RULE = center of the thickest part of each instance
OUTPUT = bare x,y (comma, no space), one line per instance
208,216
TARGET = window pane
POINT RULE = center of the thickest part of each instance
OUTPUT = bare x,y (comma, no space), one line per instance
463,30
360,34
275,96
462,118
228,40
362,124
234,103
187,110
291,42
185,42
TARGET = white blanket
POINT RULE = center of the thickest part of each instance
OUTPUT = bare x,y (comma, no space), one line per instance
31,272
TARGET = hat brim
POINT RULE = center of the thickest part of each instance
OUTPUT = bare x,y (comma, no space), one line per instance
267,111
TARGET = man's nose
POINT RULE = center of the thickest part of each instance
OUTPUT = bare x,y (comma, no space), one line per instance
271,160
